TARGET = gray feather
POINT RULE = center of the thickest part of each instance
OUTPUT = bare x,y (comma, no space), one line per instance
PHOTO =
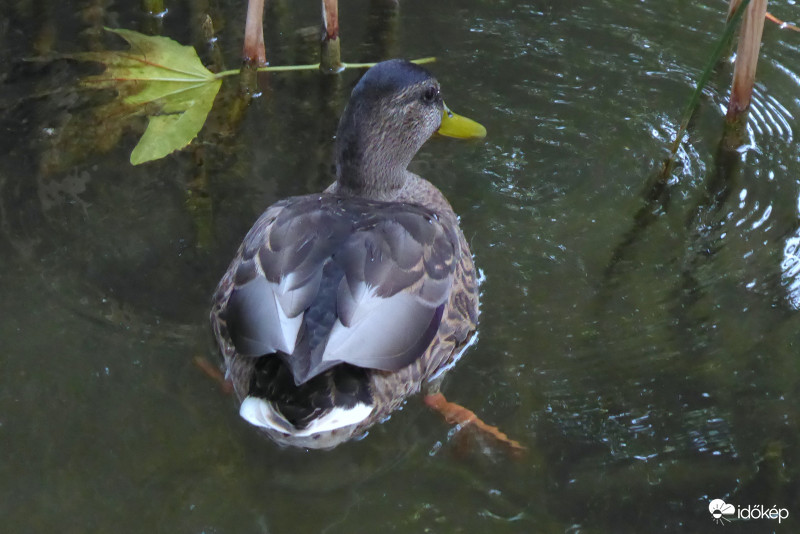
255,323
375,332
376,304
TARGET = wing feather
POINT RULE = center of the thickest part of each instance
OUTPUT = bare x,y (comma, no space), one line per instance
377,274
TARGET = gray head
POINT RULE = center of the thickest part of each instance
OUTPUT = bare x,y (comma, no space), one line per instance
393,110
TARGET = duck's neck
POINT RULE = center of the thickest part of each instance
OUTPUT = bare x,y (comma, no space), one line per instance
371,158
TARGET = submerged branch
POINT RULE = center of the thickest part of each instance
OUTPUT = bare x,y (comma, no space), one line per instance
656,192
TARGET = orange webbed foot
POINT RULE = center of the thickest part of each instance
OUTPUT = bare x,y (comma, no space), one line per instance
213,372
456,414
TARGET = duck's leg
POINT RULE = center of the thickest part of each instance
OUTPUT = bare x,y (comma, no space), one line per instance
213,372
455,414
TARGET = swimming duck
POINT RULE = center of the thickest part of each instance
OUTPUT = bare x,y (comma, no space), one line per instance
339,305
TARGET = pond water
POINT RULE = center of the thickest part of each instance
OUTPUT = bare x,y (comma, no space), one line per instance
648,363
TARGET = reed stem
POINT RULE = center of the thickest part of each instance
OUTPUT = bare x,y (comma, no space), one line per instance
253,51
744,70
330,47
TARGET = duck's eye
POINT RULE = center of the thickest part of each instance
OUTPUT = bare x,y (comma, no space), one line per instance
430,95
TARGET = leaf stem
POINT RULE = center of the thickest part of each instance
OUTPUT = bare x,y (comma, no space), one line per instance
315,66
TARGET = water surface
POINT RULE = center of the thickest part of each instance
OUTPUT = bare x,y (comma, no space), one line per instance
648,367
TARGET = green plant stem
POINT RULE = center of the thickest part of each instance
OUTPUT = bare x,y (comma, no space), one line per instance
315,66
421,61
727,35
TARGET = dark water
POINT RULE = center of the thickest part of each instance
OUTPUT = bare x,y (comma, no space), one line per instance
648,367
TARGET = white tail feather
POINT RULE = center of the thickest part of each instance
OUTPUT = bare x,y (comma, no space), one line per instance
262,413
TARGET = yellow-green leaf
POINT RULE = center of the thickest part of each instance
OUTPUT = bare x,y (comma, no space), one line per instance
162,79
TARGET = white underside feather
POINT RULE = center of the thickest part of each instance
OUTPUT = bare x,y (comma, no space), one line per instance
261,413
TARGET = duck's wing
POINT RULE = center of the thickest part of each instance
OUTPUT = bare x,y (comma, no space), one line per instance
323,280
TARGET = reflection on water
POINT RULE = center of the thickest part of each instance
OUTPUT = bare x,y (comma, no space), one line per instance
790,270
649,367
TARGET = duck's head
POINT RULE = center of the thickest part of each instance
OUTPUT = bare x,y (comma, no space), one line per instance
393,110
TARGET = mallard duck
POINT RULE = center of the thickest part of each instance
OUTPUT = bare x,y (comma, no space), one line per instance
339,305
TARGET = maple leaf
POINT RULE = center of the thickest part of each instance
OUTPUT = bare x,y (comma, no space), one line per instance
162,79
167,82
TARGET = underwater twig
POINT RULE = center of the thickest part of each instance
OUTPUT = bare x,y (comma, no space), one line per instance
656,193
719,185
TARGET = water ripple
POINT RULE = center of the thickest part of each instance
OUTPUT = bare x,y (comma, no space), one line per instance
768,117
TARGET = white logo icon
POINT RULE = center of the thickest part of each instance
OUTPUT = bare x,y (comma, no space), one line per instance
719,509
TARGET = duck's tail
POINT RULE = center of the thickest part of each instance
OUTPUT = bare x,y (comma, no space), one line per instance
263,413
338,398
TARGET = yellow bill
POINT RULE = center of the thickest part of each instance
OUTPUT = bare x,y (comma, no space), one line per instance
461,127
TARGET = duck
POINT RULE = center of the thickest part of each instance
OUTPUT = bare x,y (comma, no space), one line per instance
339,305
